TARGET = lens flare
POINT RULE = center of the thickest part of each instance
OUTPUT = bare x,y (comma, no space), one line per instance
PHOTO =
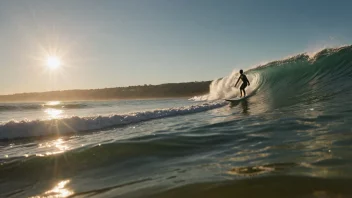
53,62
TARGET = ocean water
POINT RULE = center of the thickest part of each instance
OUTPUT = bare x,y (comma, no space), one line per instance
291,138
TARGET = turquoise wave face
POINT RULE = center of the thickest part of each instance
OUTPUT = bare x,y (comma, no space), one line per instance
327,76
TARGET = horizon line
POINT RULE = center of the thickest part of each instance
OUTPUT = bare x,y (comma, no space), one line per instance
36,92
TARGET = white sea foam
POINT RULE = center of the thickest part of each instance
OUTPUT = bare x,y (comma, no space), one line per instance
224,88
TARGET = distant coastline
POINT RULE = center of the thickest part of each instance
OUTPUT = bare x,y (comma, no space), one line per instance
169,90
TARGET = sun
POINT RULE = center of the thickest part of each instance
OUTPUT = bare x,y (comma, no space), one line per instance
53,62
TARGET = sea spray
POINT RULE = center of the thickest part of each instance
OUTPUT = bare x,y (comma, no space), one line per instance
224,88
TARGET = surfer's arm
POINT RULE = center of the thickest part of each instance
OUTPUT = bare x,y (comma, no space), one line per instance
248,82
237,82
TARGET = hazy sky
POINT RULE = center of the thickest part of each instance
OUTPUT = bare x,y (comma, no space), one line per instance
109,43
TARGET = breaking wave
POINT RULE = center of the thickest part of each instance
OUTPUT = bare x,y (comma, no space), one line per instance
34,128
301,78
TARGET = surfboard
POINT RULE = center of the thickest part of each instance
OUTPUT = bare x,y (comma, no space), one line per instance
237,99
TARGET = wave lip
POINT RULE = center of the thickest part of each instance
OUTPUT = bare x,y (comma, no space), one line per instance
35,128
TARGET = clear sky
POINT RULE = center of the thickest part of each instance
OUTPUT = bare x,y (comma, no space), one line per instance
111,43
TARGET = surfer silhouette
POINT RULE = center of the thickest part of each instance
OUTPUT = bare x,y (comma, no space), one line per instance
244,83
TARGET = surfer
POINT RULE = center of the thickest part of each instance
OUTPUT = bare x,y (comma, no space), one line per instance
244,83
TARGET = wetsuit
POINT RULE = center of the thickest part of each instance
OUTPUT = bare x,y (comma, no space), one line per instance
244,81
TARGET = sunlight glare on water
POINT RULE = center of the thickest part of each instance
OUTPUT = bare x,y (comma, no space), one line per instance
59,143
59,191
54,113
53,103
53,147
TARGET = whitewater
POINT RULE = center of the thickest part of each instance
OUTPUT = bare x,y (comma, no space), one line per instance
291,138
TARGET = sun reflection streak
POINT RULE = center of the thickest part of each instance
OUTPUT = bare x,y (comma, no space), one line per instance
59,143
58,191
53,103
55,147
54,113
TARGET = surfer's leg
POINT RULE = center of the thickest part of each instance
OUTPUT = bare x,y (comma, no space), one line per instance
243,86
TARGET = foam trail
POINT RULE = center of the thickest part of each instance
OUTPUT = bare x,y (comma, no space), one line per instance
25,129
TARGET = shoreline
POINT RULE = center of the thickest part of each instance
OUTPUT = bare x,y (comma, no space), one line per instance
97,100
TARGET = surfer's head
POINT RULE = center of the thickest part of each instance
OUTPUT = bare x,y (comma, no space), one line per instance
241,71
